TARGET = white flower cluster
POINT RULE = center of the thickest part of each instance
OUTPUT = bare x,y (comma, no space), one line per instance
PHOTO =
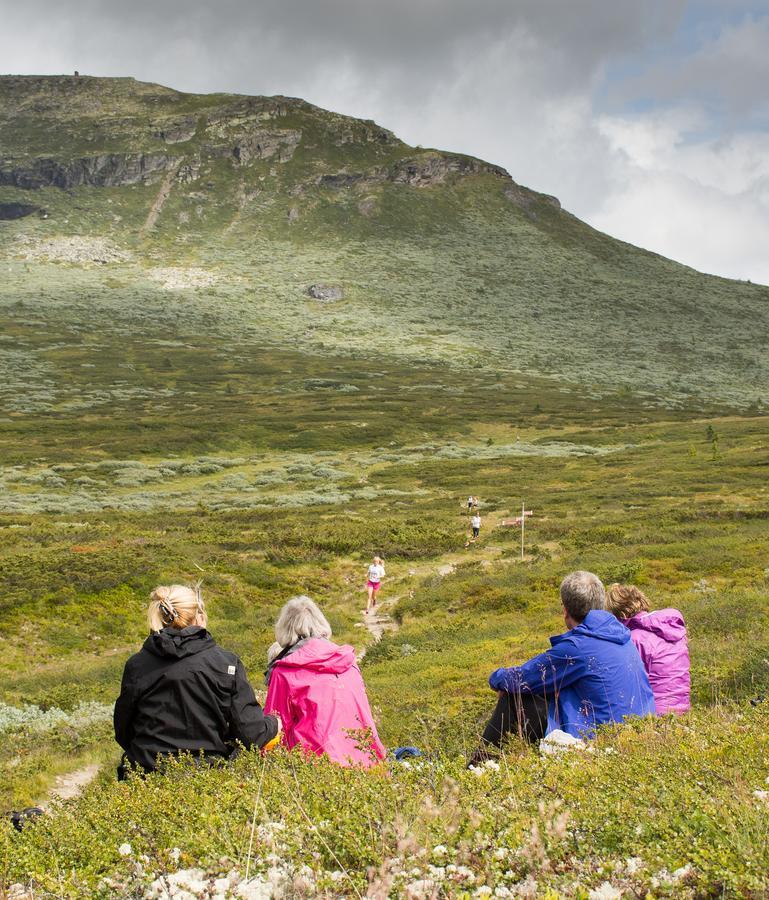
489,765
278,881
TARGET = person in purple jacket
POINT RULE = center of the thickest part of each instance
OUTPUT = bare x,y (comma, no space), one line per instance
591,675
660,637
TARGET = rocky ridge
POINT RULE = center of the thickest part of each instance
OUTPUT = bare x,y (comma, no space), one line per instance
147,143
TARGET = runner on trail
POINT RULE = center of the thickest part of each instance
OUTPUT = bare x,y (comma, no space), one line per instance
475,523
376,573
470,502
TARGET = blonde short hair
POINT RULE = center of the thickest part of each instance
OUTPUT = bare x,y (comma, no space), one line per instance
625,600
300,618
174,606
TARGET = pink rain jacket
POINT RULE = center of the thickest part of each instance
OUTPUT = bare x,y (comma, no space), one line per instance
319,693
660,638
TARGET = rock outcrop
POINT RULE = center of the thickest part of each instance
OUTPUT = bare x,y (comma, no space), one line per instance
104,170
10,211
266,145
436,168
176,131
418,171
325,292
527,199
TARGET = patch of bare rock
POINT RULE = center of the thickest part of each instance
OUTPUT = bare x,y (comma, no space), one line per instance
73,249
178,278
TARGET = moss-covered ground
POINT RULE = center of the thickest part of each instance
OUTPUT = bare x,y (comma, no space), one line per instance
678,506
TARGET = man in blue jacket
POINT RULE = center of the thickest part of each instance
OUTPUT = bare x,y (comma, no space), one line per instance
591,675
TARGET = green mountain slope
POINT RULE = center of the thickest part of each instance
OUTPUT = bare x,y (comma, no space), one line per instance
137,213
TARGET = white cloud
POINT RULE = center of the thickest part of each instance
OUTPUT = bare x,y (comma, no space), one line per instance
703,202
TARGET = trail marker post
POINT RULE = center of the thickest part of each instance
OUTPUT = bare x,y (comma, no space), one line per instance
519,520
524,512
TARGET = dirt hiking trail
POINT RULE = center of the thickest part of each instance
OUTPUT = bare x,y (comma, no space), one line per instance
380,621
71,784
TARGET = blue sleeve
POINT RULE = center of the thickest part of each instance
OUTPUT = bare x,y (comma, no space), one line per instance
544,674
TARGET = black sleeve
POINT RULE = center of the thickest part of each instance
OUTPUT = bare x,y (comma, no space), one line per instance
124,712
249,725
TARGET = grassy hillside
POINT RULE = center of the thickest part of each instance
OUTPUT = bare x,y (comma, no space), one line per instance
176,405
170,217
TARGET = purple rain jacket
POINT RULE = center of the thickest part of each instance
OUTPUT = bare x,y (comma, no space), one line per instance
590,676
660,637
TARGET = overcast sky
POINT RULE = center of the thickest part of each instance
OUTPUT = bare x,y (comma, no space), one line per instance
650,120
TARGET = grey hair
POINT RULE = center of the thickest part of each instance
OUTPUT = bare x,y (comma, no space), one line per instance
581,592
300,618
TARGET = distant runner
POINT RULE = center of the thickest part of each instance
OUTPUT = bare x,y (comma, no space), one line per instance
475,522
376,572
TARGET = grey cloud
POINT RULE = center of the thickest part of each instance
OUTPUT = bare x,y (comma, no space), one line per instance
728,74
296,34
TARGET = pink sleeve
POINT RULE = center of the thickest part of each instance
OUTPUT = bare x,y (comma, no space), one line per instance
279,701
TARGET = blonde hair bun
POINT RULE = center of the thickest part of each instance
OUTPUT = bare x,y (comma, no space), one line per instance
160,593
174,606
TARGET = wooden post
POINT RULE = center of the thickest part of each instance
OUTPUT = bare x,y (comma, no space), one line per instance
523,525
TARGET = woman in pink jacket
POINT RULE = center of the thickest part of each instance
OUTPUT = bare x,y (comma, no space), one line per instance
317,689
660,638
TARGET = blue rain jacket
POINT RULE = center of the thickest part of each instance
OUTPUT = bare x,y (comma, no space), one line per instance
591,675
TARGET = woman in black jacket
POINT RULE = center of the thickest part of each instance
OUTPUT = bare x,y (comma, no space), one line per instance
183,693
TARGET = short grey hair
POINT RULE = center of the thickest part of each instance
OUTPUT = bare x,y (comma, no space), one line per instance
581,592
300,618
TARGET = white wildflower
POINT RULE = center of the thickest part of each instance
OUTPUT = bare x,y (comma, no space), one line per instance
681,873
125,849
463,873
633,864
492,764
439,850
761,795
420,890
501,852
605,892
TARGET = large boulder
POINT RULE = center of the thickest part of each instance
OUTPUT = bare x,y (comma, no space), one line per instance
326,293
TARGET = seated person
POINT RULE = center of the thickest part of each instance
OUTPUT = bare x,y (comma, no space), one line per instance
317,689
181,692
591,675
660,638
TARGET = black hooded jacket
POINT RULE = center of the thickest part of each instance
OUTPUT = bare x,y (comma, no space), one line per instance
183,692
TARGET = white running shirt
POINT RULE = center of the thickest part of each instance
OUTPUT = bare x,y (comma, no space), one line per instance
375,573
